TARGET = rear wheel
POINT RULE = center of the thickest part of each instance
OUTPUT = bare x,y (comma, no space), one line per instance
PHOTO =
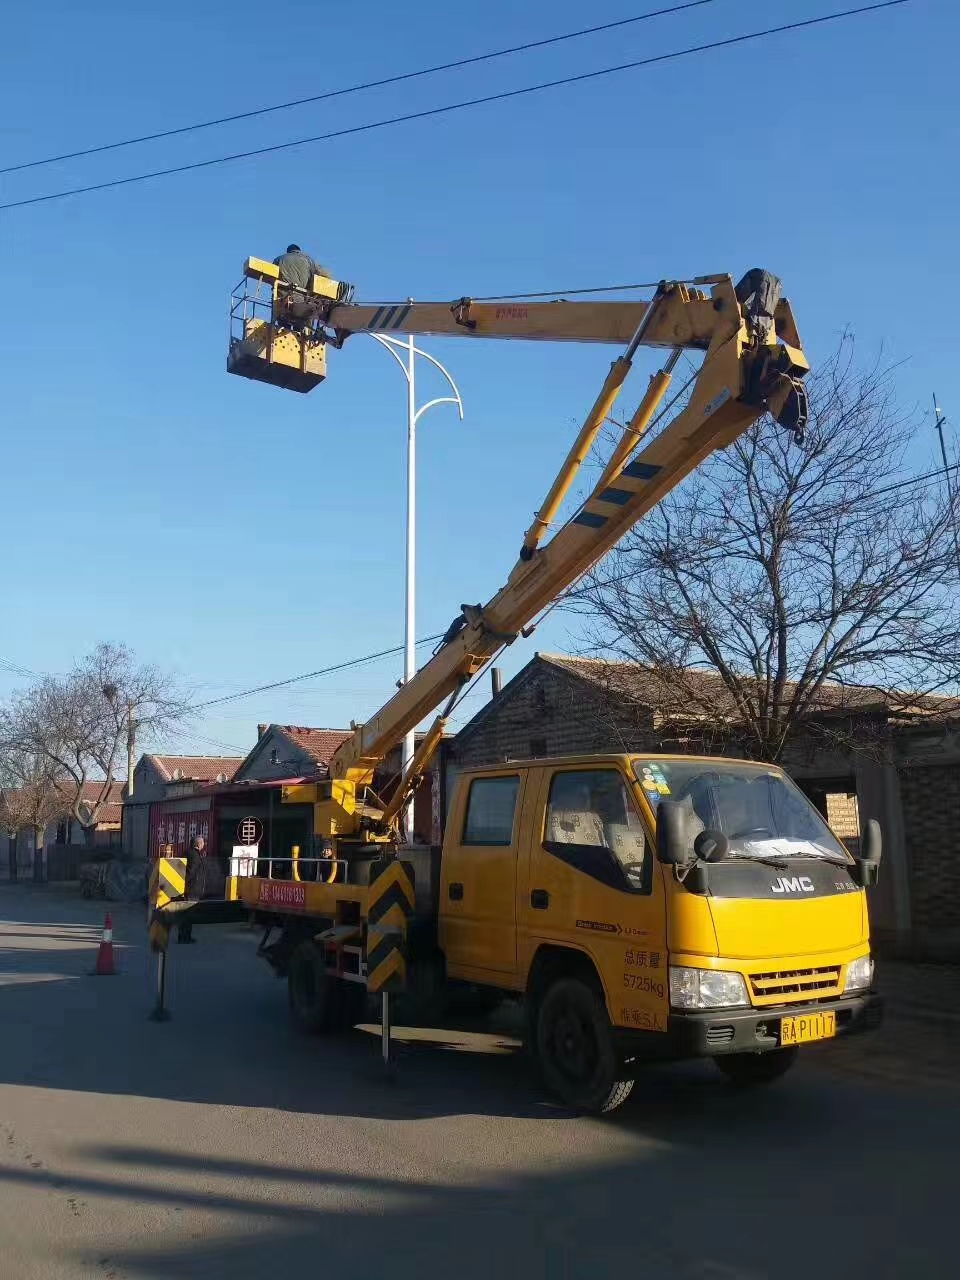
574,1042
321,1003
747,1070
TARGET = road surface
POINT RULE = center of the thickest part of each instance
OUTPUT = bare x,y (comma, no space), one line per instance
225,1144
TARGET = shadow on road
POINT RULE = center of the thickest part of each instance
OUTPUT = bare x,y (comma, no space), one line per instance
692,1180
734,1190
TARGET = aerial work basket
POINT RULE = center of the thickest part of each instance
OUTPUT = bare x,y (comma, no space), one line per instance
274,334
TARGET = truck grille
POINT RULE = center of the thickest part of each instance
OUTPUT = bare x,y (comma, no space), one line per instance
793,984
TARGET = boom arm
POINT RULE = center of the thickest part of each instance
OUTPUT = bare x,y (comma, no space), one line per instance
753,364
690,325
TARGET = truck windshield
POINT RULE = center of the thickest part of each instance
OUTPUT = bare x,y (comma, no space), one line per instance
761,812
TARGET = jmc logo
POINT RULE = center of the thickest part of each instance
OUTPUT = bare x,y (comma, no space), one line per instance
793,884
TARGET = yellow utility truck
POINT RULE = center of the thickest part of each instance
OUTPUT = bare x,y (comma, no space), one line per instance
643,907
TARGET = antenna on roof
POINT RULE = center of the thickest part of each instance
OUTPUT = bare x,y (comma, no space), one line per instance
940,418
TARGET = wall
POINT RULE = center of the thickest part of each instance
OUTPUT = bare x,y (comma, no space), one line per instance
843,814
21,847
547,712
930,794
292,762
136,829
176,822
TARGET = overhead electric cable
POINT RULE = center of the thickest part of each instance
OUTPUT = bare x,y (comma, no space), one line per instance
354,88
308,675
430,112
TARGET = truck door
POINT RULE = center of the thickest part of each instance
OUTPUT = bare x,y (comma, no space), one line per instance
478,878
593,884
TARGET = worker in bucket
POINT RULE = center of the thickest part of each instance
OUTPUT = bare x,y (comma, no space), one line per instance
298,268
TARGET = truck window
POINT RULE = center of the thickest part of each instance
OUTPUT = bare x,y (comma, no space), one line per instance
491,806
592,823
759,809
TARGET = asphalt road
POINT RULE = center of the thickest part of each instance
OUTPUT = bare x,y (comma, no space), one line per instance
224,1144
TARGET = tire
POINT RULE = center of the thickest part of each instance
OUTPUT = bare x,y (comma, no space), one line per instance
426,1000
748,1070
319,1003
574,1044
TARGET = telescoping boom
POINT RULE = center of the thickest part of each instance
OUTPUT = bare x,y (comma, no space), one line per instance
752,363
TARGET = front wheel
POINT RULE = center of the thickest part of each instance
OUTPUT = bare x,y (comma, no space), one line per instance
747,1070
578,1058
319,1002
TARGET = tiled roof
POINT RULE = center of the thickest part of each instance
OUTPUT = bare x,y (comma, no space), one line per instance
319,744
112,811
695,692
197,768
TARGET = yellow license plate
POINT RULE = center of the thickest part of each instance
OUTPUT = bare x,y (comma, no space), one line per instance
808,1026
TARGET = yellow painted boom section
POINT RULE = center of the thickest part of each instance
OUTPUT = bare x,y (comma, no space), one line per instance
718,411
691,324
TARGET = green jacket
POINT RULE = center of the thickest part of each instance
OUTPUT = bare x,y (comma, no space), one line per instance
299,268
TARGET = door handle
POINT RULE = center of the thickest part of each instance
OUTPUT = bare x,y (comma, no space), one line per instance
456,892
539,899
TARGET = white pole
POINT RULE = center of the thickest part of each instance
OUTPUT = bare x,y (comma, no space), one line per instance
411,350
410,641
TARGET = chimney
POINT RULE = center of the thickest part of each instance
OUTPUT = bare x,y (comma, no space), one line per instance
261,730
496,681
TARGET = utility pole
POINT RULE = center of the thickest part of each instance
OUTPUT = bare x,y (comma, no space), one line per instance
125,838
131,746
940,419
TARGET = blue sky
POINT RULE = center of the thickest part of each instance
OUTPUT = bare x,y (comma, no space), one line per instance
239,534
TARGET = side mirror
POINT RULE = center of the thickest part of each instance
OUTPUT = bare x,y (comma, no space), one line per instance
711,846
867,869
872,842
671,847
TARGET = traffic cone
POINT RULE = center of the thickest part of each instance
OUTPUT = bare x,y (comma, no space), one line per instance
104,966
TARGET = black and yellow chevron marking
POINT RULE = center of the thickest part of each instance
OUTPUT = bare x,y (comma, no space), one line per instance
629,483
171,880
389,317
390,905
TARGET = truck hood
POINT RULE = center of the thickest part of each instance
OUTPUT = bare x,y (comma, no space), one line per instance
753,911
753,929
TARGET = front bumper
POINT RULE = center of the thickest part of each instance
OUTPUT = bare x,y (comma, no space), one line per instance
707,1033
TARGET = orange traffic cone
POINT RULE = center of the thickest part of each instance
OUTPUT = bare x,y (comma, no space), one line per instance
104,966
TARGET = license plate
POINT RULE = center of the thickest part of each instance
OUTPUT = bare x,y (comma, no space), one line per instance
808,1026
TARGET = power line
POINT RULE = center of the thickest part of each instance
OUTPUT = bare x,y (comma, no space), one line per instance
186,735
308,675
15,669
925,477
571,293
431,112
356,88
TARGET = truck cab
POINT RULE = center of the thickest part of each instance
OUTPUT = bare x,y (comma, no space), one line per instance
736,931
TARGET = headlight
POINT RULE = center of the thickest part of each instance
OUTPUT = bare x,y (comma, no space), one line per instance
706,988
859,974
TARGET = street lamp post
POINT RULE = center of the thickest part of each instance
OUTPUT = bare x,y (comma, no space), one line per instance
407,363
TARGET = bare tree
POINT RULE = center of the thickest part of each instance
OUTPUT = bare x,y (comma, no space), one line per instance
30,797
79,724
807,580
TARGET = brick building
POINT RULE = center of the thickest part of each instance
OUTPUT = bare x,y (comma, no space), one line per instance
863,757
163,784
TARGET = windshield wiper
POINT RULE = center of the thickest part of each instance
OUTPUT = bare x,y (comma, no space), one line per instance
778,864
819,857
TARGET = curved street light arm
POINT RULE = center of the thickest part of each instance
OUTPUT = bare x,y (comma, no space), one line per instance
387,344
393,345
439,400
